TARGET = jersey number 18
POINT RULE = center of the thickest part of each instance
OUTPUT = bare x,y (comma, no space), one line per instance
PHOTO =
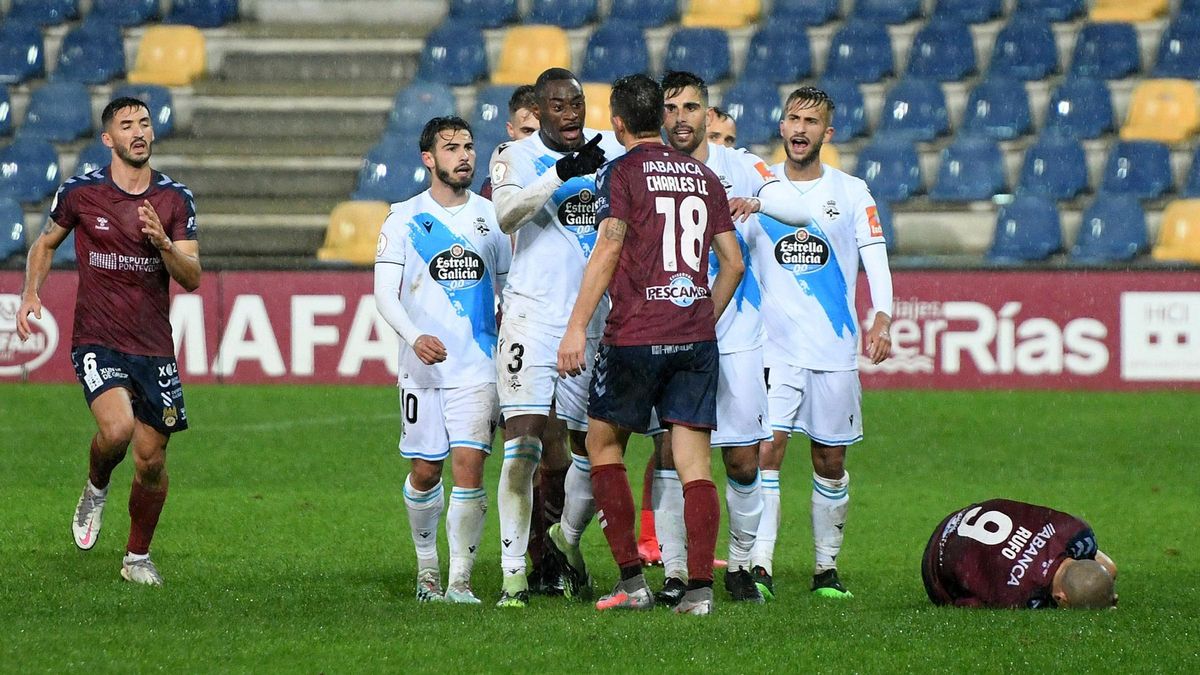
692,220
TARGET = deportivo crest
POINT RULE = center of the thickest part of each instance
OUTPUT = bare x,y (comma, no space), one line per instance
831,209
457,268
481,226
802,251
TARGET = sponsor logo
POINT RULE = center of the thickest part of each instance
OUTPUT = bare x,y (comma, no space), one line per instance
763,171
1160,336
457,268
123,263
802,252
18,358
873,221
578,212
102,223
499,171
680,291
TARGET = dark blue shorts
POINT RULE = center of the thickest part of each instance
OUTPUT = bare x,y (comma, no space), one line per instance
152,381
679,380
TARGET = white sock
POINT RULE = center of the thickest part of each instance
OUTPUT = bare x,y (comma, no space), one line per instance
464,527
579,505
424,512
521,457
745,506
97,491
830,502
668,522
134,557
768,525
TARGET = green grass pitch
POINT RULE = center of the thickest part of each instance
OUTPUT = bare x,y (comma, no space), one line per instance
285,547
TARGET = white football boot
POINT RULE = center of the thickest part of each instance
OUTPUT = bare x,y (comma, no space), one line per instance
88,515
140,571
429,586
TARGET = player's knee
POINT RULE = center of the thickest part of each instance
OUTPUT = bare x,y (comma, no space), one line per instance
742,468
116,433
151,471
425,475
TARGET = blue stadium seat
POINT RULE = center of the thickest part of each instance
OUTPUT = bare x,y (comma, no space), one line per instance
1106,51
158,99
415,104
757,108
1082,107
392,171
972,168
1191,187
484,147
850,110
562,13
22,53
915,109
802,13
884,210
484,13
1179,50
644,13
891,168
861,51
703,51
6,122
1055,167
1113,230
615,49
1053,10
1138,168
202,13
125,12
92,53
1024,49
887,11
44,12
64,255
58,111
778,54
31,169
12,228
970,11
942,50
1027,230
94,155
454,54
489,116
998,107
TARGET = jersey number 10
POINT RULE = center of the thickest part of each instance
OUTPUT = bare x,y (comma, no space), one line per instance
692,220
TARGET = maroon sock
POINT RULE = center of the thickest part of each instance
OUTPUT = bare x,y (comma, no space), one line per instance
614,510
144,507
554,493
101,465
537,526
701,517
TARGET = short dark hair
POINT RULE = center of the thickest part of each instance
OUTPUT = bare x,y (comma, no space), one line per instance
674,81
811,97
551,75
121,103
522,97
437,125
638,101
720,114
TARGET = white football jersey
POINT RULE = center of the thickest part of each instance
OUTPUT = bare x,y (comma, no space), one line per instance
553,247
453,260
809,274
743,174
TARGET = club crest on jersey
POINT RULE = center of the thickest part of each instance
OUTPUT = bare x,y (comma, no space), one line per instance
802,252
457,268
481,226
578,212
831,209
170,416
680,291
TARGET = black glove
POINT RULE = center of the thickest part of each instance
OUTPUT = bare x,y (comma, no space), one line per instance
584,161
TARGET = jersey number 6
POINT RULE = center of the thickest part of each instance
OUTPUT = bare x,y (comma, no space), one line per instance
692,220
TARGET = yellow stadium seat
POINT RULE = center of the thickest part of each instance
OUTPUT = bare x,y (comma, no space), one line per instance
353,232
528,50
172,56
722,13
1167,111
598,115
829,155
1128,10
1179,234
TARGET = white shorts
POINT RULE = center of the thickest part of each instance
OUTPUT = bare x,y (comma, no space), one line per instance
436,420
826,406
741,401
527,375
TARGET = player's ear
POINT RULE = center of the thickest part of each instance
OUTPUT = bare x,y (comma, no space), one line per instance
1060,598
427,159
828,135
108,140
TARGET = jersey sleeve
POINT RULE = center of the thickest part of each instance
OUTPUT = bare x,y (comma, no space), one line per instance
63,209
755,173
612,195
718,206
867,227
183,222
390,248
504,169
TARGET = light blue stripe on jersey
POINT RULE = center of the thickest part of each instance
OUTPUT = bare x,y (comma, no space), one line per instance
748,290
587,234
824,283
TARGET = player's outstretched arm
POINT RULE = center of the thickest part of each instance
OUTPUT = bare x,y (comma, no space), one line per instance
37,267
596,277
776,200
181,258
730,272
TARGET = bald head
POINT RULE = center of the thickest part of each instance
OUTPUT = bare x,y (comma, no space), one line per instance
1086,584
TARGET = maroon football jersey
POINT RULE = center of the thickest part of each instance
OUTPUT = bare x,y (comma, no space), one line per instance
123,298
1002,553
673,205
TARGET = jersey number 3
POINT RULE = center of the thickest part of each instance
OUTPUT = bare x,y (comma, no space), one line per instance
691,217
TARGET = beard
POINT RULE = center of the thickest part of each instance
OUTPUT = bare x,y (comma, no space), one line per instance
807,159
698,137
126,156
453,181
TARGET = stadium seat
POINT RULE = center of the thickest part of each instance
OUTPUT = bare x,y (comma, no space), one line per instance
92,53
1055,167
1138,168
1052,10
1082,107
998,107
1179,50
1025,49
598,115
484,147
58,111
528,50
1113,230
778,55
1127,10
890,168
353,232
31,169
703,51
489,116
972,168
562,13
1106,51
454,54
887,11
722,13
1179,232
95,155
202,13
644,13
915,109
1191,187
22,54
64,255
417,103
392,171
172,56
942,50
6,111
44,12
1027,230
884,211
1167,111
850,110
803,13
125,12
484,13
861,51
757,108
12,228
615,49
158,99
969,11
